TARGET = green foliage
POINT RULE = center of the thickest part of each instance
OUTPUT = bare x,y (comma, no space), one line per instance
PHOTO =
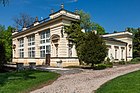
100,66
90,48
136,43
108,63
136,40
122,62
85,23
5,44
75,35
93,50
137,59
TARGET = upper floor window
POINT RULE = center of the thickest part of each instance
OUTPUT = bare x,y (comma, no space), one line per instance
31,46
21,48
44,43
31,40
21,42
44,37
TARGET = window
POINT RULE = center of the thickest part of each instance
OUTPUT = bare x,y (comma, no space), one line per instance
115,53
21,48
44,37
21,42
122,54
21,53
31,46
44,43
31,52
56,47
44,50
70,50
31,40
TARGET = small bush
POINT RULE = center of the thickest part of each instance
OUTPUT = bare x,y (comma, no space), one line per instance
122,62
100,66
137,59
110,64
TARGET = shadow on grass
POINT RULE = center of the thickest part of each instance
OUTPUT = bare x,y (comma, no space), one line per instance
9,76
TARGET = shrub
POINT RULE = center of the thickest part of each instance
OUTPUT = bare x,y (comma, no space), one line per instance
137,59
99,66
122,62
110,64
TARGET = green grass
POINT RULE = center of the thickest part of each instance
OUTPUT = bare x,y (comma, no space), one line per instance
24,81
129,83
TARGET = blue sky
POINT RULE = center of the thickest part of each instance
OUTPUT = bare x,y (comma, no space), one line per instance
113,15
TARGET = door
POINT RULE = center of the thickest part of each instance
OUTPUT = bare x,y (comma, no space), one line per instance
48,59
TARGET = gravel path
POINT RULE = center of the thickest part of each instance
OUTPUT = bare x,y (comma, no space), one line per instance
86,81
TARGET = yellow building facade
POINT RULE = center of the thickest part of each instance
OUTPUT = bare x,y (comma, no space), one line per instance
45,42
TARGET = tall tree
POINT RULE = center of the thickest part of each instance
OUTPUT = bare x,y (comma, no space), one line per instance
136,43
88,25
23,20
90,47
93,50
5,45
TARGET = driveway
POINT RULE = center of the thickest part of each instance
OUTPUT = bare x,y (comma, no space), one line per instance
86,81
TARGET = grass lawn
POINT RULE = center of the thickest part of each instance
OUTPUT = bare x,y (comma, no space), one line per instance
129,83
25,81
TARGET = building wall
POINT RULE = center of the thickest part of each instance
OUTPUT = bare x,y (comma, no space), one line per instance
129,46
124,37
116,51
56,28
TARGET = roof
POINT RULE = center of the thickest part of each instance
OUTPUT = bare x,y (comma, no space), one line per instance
63,10
44,24
118,34
112,39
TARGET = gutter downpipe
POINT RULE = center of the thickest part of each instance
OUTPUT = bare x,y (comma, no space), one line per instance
126,51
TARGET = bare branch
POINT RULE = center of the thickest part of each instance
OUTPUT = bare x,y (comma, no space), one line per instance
4,2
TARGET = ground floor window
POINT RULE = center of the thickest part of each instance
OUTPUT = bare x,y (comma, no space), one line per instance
44,50
21,53
70,50
122,53
31,52
115,53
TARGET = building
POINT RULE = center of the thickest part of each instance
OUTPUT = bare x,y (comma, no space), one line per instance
119,46
46,43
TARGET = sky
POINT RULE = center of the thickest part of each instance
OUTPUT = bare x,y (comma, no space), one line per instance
113,15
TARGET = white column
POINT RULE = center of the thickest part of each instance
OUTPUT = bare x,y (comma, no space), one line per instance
37,48
25,47
16,49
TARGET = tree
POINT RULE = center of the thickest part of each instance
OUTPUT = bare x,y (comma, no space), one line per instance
5,45
85,23
4,2
23,20
80,38
75,35
93,50
136,40
136,43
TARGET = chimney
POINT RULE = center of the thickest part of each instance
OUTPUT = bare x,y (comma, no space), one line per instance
52,11
76,11
24,27
62,6
36,21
